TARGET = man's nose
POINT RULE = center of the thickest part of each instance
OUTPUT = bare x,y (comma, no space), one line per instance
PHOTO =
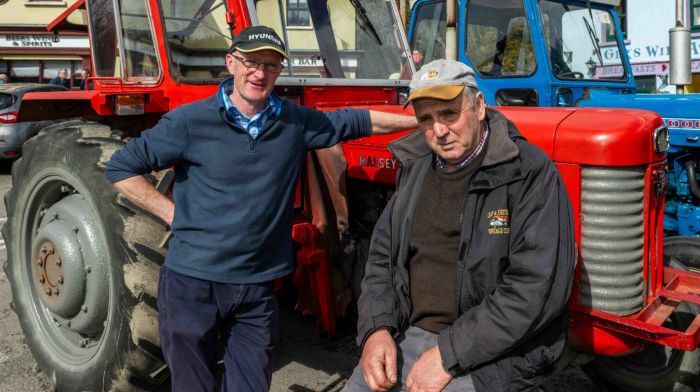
441,130
260,71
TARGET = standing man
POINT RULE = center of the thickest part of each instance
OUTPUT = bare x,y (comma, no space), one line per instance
61,79
237,156
3,78
471,262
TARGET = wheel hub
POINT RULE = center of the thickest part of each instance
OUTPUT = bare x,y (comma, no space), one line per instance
65,269
50,272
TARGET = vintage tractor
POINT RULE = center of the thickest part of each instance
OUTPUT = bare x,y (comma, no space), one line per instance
83,262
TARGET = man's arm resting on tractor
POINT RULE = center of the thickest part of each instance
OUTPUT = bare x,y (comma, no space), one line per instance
383,122
139,191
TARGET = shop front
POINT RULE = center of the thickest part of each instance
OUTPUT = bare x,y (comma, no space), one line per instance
38,57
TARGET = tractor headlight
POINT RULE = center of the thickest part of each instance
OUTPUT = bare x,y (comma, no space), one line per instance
661,139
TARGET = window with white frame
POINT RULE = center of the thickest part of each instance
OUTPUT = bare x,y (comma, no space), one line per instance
298,13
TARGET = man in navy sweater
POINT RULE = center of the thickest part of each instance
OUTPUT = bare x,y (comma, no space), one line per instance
237,156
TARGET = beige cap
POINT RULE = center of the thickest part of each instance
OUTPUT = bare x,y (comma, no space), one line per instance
440,79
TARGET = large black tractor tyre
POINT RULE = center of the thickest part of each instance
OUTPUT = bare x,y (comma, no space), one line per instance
685,249
658,368
83,265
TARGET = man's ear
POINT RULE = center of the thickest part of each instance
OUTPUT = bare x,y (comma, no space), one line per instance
480,106
230,63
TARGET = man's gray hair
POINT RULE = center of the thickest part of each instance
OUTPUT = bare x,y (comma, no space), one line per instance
469,94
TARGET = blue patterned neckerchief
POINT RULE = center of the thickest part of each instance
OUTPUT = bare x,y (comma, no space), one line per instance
442,165
251,125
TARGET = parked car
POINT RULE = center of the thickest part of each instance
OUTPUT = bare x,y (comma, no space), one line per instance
12,133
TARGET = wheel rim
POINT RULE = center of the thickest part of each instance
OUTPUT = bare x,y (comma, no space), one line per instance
65,270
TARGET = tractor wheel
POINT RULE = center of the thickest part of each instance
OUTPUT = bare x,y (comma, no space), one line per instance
657,368
83,265
685,249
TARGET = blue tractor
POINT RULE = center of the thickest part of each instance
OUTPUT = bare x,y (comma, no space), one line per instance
563,53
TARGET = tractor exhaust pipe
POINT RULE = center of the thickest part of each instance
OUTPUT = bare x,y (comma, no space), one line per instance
451,30
692,182
679,38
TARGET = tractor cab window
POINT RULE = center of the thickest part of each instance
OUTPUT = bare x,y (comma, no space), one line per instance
122,43
347,39
498,38
577,43
198,38
138,45
428,39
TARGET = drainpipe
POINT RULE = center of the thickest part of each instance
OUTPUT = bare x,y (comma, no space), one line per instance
679,38
451,30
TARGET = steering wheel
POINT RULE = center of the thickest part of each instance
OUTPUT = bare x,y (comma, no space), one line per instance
571,74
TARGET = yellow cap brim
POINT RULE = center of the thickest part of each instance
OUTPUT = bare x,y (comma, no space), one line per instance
443,93
259,48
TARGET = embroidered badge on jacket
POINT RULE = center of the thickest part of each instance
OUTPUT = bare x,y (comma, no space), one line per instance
499,222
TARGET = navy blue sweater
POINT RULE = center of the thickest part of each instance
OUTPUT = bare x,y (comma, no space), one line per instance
233,194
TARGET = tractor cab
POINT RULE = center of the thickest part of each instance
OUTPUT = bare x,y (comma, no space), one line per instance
349,40
530,53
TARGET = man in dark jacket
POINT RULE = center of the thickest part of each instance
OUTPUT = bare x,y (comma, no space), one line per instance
61,79
237,157
471,262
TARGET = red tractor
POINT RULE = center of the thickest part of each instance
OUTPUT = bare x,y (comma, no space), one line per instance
83,262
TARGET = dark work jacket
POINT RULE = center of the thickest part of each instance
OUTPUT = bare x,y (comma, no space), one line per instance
515,266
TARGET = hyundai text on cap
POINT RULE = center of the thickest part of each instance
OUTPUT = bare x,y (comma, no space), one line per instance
256,38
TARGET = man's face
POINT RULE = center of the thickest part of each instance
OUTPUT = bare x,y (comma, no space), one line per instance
253,84
451,128
62,73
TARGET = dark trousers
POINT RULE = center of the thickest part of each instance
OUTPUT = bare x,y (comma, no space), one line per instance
198,319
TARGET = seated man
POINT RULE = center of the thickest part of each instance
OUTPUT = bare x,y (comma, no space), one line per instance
471,262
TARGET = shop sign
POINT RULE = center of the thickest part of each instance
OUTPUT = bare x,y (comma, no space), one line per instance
648,53
641,69
43,41
317,61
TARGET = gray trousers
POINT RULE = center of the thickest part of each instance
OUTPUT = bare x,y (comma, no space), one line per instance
411,344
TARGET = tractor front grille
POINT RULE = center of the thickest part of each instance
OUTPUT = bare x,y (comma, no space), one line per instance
612,239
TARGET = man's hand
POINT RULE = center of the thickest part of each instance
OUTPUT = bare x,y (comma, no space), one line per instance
427,374
378,361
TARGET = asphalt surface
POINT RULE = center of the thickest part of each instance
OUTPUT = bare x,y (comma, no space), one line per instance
305,362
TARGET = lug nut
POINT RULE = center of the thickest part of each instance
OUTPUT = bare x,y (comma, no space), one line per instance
75,229
42,279
48,292
84,308
60,280
88,269
40,262
55,215
58,262
56,292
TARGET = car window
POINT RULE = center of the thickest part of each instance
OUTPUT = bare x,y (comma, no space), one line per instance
47,88
6,101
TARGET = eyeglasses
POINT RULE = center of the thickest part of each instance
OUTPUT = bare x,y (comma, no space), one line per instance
254,65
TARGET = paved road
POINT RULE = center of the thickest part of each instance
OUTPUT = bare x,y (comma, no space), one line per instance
305,363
